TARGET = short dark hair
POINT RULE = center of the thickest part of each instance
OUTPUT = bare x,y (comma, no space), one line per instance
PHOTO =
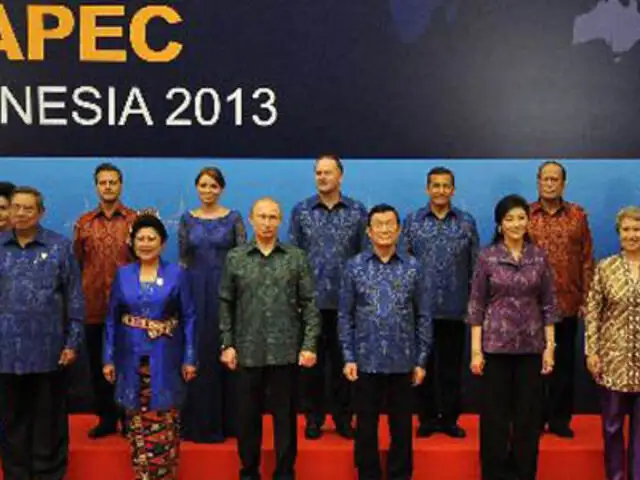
502,208
107,167
557,164
331,156
6,189
30,191
382,208
441,171
146,220
213,172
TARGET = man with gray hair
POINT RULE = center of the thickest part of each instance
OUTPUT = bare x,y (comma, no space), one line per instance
41,320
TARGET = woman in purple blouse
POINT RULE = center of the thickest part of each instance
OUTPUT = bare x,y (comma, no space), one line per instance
512,309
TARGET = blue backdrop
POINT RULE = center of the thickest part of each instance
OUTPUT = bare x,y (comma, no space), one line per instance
601,186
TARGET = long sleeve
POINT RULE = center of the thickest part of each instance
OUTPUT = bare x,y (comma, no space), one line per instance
479,294
78,247
405,242
363,223
74,300
474,247
111,321
295,230
307,302
239,231
346,317
228,297
423,295
187,320
183,241
548,296
588,261
594,310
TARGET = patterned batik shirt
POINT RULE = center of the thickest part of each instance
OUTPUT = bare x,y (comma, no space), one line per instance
100,245
330,237
566,239
447,250
384,318
267,305
41,302
612,324
513,300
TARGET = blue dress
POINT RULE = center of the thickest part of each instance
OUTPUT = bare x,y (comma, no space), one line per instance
209,413
125,346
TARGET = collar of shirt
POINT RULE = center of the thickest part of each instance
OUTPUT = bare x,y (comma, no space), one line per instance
252,247
119,209
344,202
537,207
9,237
428,212
369,254
505,256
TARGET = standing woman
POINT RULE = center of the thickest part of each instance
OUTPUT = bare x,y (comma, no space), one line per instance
612,337
149,349
205,236
511,312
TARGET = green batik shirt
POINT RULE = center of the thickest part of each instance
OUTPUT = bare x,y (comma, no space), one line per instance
268,311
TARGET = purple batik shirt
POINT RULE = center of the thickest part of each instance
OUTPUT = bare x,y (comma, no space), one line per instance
512,300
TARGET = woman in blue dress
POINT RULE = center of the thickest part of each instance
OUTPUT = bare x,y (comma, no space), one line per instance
150,349
205,236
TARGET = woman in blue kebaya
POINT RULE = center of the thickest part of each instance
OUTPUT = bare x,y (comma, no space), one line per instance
149,349
205,236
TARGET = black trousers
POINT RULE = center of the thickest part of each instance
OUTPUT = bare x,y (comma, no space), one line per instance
559,386
371,391
314,380
510,416
253,383
439,395
103,391
33,418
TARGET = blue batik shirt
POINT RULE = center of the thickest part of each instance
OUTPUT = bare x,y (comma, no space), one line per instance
384,316
330,237
41,302
447,250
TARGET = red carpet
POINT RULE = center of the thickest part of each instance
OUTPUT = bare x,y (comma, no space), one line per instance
331,458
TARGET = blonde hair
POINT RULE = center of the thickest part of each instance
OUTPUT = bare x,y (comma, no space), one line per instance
631,211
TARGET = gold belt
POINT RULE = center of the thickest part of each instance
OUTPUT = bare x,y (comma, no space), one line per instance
154,328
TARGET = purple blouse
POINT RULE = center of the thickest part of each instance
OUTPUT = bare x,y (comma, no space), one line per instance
512,300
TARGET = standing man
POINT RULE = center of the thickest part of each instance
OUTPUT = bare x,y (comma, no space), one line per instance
561,228
269,326
385,334
100,244
330,227
445,241
41,316
6,189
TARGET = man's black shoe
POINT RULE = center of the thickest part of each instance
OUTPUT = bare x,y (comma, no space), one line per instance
453,431
312,431
345,430
427,429
563,431
102,430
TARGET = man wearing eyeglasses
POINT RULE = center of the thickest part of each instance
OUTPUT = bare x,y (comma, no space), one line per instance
444,239
100,244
